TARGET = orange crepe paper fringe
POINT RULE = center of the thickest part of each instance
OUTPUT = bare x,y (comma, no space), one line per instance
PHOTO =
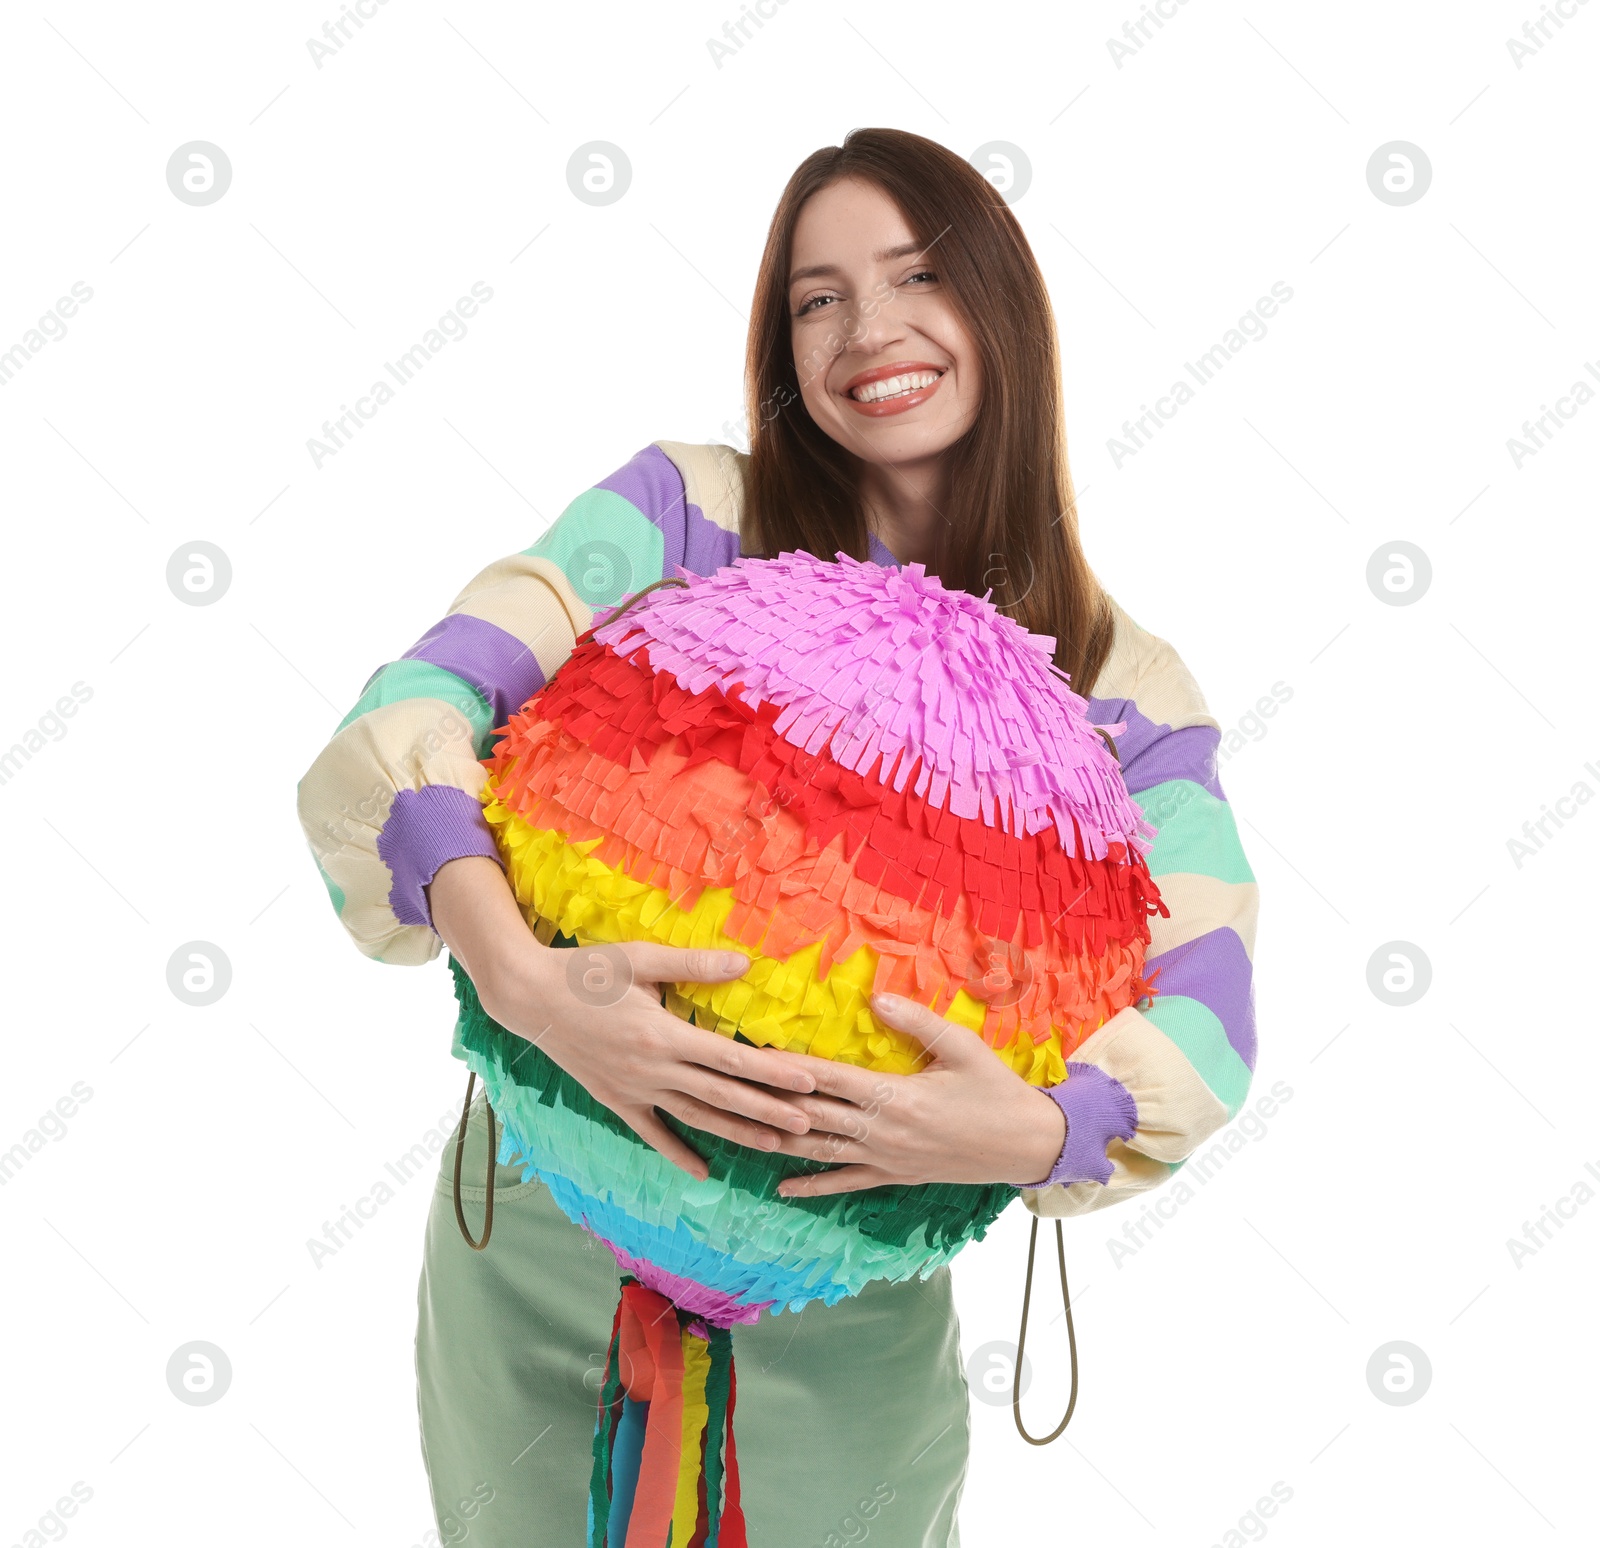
681,827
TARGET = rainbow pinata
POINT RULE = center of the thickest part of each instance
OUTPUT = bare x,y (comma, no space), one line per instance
863,781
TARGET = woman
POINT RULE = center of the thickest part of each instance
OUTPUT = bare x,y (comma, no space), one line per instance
904,397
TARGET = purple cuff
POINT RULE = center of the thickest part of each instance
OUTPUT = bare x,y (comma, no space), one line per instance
424,829
1098,1109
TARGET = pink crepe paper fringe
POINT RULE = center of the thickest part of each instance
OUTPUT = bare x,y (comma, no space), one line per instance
712,1306
867,661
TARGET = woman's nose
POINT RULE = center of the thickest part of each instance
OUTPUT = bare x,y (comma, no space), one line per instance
869,325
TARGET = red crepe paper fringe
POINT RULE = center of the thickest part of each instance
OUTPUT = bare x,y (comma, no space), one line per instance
929,857
869,662
682,825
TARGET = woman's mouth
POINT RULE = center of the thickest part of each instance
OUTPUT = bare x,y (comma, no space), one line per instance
892,389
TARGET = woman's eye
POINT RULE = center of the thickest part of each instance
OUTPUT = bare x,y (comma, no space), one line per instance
813,302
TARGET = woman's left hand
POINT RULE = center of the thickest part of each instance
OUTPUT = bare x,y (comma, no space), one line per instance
965,1117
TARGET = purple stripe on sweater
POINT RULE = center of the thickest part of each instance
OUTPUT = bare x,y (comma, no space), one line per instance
1214,969
1152,754
1098,1109
496,663
424,829
650,480
879,553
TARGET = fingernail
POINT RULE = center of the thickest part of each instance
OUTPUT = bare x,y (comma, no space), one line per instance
887,1002
804,1083
735,962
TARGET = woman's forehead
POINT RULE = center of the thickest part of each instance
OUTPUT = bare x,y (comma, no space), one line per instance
849,223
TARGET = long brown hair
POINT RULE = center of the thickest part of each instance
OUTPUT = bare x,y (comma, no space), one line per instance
1011,520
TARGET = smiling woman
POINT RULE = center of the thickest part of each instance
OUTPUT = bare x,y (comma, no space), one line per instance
936,362
892,258
903,388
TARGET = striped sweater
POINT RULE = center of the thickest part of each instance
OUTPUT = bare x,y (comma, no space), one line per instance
394,795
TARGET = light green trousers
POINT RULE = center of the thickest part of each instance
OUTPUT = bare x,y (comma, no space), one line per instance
851,1420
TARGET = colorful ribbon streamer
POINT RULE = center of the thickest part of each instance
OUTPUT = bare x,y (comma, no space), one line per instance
666,1472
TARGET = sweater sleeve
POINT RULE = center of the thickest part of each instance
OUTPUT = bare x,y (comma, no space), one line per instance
1148,1087
395,793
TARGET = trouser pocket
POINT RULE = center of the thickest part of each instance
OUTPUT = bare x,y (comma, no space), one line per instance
507,1179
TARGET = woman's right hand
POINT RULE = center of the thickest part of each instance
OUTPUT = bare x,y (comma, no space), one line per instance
597,1012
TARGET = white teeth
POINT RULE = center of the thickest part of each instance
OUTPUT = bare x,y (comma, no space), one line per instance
894,386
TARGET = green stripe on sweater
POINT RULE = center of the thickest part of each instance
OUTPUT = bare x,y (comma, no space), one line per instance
1202,1040
1196,832
606,547
335,891
402,680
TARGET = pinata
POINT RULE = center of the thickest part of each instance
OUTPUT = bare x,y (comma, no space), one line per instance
863,781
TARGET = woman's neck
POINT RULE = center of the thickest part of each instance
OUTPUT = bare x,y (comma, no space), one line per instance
904,505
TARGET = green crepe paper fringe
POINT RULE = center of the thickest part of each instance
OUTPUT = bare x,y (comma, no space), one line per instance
943,1216
813,1255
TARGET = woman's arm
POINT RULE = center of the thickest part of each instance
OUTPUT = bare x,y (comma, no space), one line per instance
394,794
391,809
1151,1085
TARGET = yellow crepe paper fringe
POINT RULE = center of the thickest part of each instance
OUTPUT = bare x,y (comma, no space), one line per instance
682,827
563,887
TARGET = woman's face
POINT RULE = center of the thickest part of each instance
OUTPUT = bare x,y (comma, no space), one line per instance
885,365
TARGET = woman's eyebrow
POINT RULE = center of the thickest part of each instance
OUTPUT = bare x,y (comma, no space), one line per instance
904,250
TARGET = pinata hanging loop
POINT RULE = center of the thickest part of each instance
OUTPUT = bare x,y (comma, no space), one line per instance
613,616
488,1171
1022,1339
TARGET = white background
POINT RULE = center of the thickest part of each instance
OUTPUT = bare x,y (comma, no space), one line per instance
1230,1351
